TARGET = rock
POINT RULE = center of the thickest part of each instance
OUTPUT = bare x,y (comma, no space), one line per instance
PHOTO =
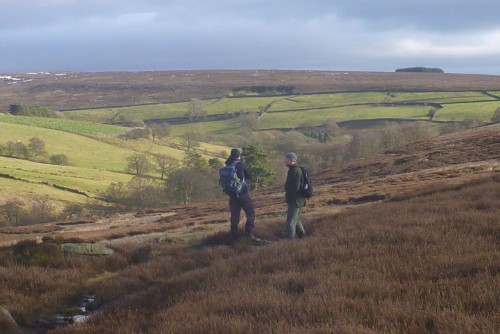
86,249
7,324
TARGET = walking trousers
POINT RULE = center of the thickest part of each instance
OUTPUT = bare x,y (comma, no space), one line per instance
243,201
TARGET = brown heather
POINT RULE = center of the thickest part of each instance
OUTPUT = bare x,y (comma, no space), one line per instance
427,264
406,242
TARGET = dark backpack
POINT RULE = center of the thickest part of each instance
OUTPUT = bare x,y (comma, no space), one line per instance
307,188
229,180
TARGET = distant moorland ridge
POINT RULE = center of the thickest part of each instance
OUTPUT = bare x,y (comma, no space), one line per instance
71,90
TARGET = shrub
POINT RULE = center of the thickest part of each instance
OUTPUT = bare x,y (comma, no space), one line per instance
21,109
496,116
29,252
59,159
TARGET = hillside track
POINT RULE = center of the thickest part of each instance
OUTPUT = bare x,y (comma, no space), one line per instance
450,160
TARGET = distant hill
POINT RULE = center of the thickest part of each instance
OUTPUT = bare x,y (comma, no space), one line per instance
63,91
420,69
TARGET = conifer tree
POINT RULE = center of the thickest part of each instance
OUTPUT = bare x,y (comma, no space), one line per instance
257,160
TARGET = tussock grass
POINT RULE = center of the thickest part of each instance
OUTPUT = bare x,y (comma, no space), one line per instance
424,264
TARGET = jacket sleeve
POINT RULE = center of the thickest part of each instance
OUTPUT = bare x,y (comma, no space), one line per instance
297,180
243,171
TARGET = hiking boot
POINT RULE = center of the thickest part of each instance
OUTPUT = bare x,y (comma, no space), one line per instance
252,237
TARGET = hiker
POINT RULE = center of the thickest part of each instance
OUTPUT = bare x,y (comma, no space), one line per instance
242,199
294,197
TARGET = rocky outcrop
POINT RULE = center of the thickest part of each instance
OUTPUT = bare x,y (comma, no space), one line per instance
7,324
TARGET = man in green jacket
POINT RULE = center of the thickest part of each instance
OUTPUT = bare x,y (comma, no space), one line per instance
294,198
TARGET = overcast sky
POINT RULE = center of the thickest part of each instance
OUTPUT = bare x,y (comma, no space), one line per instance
457,36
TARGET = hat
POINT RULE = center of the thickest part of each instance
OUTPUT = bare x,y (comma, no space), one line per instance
291,156
235,153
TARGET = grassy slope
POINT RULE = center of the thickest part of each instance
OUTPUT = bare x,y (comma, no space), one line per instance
94,162
81,151
462,111
85,180
13,188
78,127
109,153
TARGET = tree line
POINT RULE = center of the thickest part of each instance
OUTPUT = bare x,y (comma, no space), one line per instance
35,150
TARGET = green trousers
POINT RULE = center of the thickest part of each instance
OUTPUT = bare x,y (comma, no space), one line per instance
293,224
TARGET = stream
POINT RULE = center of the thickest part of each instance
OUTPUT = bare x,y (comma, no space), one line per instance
81,313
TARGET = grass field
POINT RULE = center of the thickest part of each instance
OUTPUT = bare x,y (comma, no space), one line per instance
141,112
439,97
222,127
81,151
462,111
169,110
15,188
94,163
85,180
78,127
292,119
96,147
317,106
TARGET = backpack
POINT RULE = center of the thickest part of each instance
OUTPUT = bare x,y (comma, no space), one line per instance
306,189
229,180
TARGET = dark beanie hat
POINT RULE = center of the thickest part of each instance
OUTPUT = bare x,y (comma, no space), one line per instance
235,153
291,156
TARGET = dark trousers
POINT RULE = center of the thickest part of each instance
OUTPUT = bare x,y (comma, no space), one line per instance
243,201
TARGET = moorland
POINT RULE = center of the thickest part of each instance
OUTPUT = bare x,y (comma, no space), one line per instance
403,229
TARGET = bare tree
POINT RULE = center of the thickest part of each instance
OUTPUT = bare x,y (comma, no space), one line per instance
159,130
189,140
145,192
165,164
43,207
16,149
37,147
73,210
138,163
11,211
196,111
187,185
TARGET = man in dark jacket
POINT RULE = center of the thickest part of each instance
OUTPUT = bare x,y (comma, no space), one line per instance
241,200
294,198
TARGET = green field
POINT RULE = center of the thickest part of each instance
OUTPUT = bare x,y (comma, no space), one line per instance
98,156
438,97
132,113
13,188
94,163
170,110
311,109
314,117
79,127
85,180
81,151
482,111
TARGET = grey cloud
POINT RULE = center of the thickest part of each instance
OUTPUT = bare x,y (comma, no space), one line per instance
337,35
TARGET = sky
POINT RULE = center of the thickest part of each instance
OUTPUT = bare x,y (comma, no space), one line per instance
457,36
